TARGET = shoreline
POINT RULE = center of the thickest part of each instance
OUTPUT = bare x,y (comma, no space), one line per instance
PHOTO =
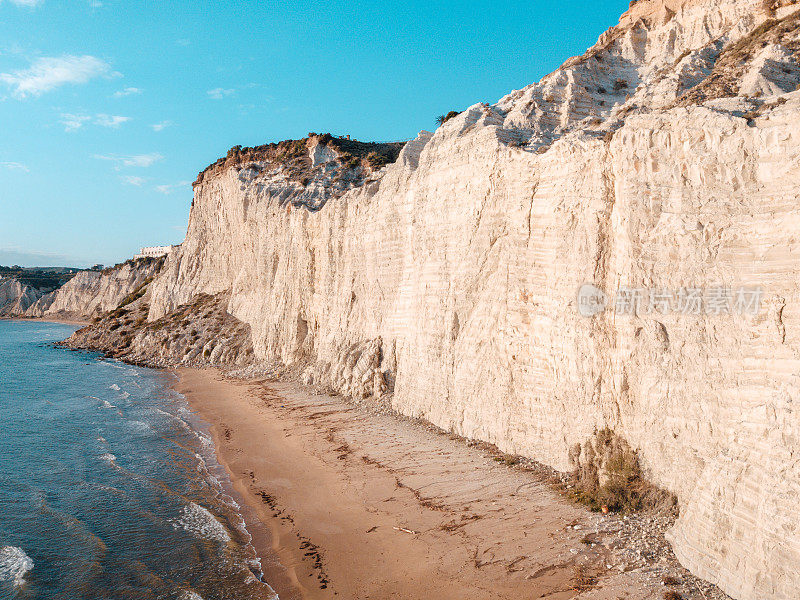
74,322
346,502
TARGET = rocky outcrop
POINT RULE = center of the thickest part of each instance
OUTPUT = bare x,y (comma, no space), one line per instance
665,157
199,334
307,172
92,293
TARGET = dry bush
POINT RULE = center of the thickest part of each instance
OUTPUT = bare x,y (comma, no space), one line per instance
442,119
583,581
607,476
507,459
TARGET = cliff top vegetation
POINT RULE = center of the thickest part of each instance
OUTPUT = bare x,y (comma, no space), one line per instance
295,155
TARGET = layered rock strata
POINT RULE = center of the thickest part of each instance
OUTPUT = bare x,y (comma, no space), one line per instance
91,293
666,157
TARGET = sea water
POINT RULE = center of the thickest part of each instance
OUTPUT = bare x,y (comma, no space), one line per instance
108,484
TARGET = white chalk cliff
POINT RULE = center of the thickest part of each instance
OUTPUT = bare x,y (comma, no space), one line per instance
16,297
91,293
667,156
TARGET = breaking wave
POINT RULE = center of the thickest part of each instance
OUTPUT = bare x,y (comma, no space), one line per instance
14,564
199,521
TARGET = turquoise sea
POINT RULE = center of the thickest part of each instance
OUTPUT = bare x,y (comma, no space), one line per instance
108,484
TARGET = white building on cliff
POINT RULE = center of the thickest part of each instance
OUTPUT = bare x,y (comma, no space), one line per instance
156,251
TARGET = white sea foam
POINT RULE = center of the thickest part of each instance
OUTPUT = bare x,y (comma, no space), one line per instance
109,458
230,502
199,521
140,426
189,595
173,418
114,387
205,440
108,404
14,564
124,395
202,468
212,481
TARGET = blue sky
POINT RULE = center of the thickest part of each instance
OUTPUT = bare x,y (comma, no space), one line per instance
109,108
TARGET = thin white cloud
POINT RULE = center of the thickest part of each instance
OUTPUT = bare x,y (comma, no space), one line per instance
219,93
27,3
14,166
113,121
48,73
162,125
74,122
183,42
169,188
136,160
128,91
134,180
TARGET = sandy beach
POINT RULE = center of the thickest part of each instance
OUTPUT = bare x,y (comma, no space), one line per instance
356,504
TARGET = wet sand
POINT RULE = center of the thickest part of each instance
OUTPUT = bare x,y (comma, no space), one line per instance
357,504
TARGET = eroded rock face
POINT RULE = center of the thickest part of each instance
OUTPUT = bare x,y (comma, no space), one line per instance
198,334
667,156
16,297
91,293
